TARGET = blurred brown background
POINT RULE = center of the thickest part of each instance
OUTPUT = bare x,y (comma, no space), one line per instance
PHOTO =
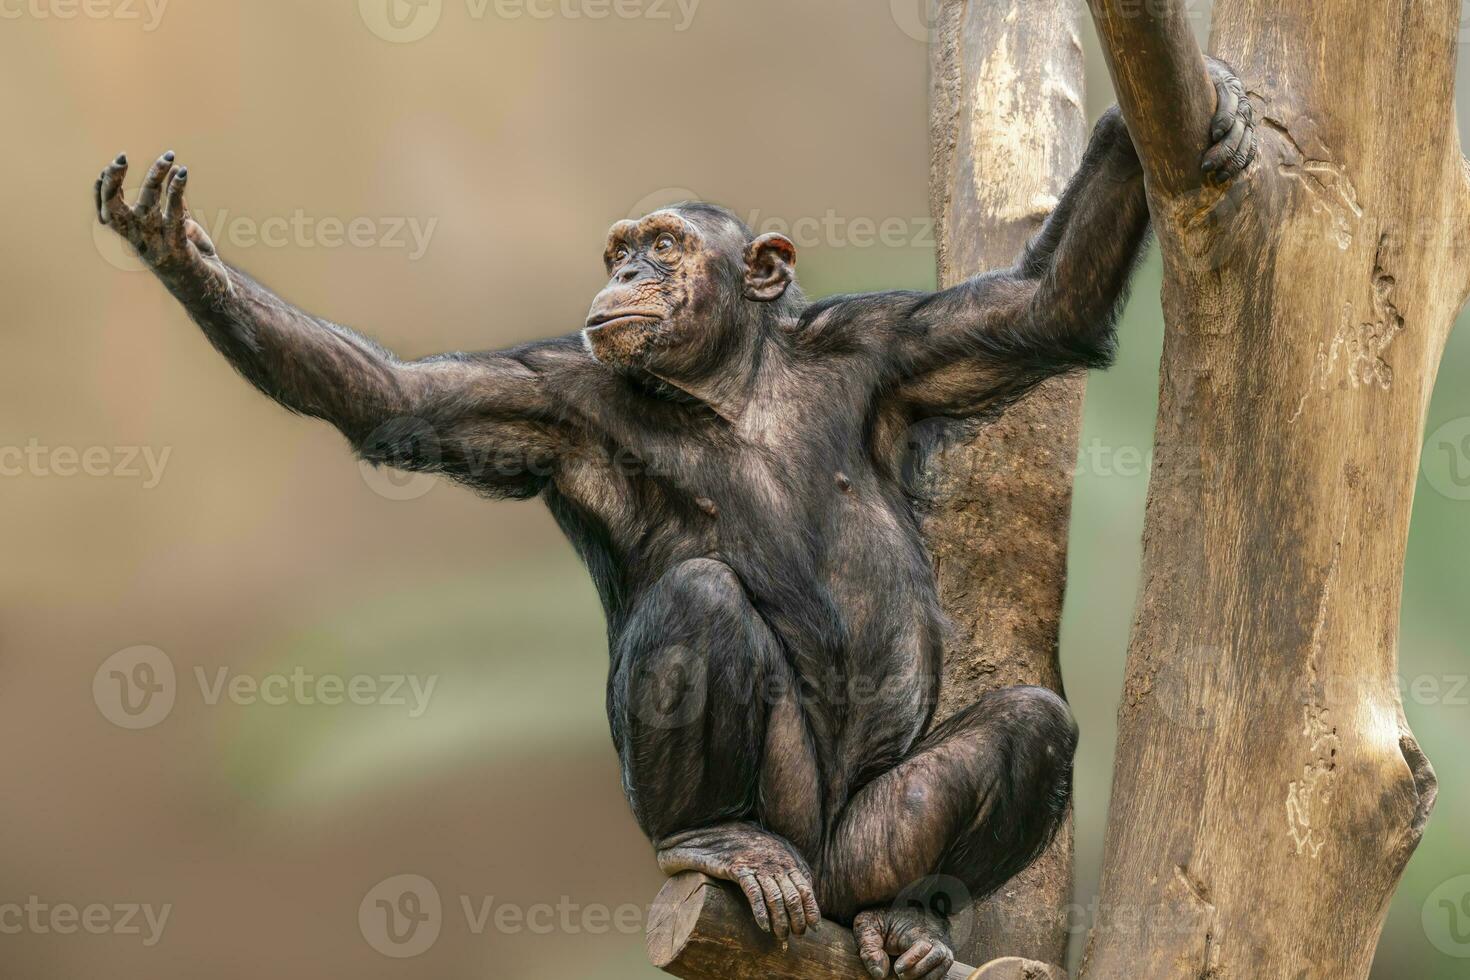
440,174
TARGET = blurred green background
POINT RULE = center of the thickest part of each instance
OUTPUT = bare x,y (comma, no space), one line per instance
509,140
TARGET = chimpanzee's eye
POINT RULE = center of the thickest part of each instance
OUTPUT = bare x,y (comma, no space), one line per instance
620,254
664,243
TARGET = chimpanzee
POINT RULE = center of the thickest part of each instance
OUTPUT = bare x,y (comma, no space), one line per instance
728,460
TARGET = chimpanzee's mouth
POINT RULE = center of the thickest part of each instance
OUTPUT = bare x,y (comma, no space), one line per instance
627,317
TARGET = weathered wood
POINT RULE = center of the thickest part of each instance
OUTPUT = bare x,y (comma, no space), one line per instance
1007,130
1163,88
1268,791
702,929
1013,968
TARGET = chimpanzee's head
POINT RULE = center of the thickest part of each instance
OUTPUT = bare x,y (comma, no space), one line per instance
691,285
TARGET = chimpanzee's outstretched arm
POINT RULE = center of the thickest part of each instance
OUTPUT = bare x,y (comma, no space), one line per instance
483,418
955,351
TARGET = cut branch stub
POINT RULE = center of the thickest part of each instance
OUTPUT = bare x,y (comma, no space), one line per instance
1014,968
702,929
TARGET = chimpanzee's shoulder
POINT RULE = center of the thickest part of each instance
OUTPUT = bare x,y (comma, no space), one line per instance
854,322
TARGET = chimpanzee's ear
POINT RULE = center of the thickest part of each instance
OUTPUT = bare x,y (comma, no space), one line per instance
770,267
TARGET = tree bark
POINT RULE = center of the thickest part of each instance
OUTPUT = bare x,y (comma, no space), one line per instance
1267,791
1007,130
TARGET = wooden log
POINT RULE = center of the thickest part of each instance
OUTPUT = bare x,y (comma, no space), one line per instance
702,929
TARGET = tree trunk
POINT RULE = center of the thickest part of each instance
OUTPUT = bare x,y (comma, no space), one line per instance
1267,791
1007,130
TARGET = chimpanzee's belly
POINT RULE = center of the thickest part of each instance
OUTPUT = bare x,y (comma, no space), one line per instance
833,565
867,582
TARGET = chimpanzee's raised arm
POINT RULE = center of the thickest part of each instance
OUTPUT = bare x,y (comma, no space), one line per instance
485,419
958,350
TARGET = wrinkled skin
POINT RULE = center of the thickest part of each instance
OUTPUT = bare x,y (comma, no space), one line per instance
728,459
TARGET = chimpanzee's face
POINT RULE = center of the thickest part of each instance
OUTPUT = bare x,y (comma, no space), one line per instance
672,288
685,284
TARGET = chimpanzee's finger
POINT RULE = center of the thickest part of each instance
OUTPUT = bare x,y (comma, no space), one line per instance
1236,153
866,930
775,906
1217,158
808,900
173,208
905,965
757,900
152,189
791,900
935,964
114,208
1226,107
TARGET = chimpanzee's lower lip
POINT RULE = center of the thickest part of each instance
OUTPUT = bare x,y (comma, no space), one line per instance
612,318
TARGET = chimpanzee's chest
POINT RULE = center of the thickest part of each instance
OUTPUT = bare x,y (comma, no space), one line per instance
789,501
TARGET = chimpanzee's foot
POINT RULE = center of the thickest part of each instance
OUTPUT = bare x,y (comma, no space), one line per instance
775,878
917,938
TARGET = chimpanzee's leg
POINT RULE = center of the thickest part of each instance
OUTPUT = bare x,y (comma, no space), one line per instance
977,801
709,732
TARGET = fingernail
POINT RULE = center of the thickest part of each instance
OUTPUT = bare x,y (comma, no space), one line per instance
169,156
183,173
122,158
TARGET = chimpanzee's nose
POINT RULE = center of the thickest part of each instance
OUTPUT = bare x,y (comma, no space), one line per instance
626,274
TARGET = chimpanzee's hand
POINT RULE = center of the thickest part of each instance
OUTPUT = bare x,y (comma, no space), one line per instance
1233,129
158,227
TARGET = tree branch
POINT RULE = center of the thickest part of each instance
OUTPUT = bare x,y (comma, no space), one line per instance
701,929
1163,87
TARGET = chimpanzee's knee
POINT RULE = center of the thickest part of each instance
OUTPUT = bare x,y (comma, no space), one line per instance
683,699
1030,739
